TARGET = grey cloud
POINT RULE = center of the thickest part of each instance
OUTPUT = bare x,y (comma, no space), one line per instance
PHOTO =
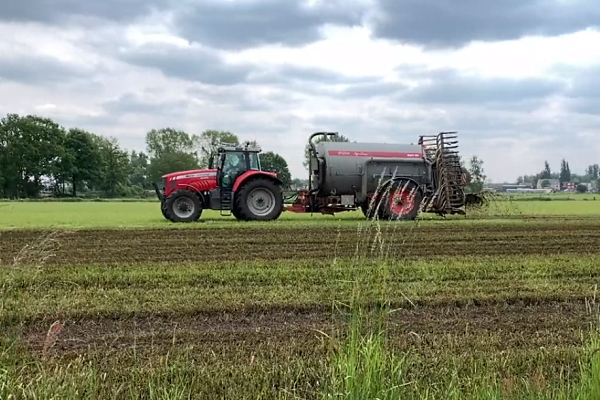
237,25
301,79
215,23
37,69
193,64
450,87
451,23
131,103
585,106
207,66
373,89
59,11
583,94
295,73
245,99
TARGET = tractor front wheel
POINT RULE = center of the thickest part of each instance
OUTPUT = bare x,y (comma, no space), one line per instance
182,206
259,200
402,201
163,209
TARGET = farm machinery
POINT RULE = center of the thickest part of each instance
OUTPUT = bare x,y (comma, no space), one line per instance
388,181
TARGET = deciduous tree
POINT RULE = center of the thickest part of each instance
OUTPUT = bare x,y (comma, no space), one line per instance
271,161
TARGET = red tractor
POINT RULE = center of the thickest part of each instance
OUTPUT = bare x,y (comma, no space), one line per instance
233,182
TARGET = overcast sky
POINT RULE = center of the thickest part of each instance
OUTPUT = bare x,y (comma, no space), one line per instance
519,80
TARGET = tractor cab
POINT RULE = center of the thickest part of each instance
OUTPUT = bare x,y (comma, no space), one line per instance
233,161
233,184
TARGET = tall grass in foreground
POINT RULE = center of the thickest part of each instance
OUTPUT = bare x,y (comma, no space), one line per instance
364,366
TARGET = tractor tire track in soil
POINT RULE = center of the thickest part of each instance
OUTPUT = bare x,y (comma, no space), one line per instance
513,326
104,247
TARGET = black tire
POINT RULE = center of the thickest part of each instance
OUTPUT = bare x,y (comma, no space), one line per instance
163,209
245,212
172,205
367,212
409,193
235,213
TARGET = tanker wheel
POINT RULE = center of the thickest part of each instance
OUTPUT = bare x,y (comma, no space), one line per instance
259,200
402,201
183,206
367,211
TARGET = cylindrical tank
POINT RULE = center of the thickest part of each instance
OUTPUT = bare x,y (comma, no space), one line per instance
346,163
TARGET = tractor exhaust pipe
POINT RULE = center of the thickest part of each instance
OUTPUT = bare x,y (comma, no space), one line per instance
313,151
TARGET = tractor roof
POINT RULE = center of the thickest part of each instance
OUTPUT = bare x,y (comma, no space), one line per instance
225,148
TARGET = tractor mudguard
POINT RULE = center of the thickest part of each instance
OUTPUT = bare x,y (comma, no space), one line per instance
254,173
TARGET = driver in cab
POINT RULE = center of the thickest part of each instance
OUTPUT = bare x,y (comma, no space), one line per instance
233,166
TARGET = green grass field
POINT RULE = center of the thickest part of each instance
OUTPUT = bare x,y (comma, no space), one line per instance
116,214
499,305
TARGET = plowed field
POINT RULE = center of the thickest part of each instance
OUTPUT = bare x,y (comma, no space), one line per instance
99,247
243,312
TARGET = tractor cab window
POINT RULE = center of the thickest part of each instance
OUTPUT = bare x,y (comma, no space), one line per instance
254,161
234,164
214,161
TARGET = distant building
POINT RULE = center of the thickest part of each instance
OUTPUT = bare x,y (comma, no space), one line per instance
505,187
529,190
553,184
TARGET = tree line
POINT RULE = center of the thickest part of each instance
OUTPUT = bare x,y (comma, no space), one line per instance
40,157
564,175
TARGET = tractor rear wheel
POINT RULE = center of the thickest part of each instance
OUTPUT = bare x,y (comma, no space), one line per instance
182,206
258,200
402,201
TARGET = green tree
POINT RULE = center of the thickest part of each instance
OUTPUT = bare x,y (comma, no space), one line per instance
209,141
582,188
170,150
476,174
593,171
273,162
319,139
171,162
31,148
82,163
115,167
547,172
565,172
168,140
138,169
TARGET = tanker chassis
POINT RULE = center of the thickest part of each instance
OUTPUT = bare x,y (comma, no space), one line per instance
387,181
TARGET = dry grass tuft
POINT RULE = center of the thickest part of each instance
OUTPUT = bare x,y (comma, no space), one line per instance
52,336
38,251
